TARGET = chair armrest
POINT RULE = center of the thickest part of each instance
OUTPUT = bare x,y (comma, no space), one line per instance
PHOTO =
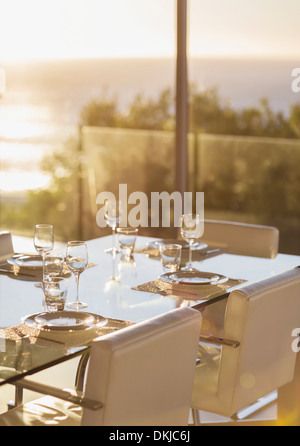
219,341
66,395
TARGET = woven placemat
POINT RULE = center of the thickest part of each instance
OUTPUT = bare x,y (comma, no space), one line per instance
187,292
31,274
197,255
53,338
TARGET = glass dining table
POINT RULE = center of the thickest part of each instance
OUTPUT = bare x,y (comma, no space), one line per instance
121,290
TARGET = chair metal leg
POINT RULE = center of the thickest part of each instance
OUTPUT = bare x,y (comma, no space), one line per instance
259,404
196,417
18,398
79,383
81,369
243,414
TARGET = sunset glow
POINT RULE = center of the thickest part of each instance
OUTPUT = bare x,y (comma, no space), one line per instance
53,29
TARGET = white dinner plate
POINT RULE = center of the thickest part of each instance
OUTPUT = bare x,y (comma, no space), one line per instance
183,243
65,321
193,278
27,261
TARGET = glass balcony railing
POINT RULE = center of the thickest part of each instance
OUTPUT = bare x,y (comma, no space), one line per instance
244,179
142,160
253,180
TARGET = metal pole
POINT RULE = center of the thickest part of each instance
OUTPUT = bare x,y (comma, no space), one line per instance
181,99
80,185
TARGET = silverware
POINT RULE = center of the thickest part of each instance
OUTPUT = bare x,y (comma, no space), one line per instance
162,292
28,336
209,251
40,337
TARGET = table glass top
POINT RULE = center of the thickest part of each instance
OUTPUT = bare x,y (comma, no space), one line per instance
107,287
18,358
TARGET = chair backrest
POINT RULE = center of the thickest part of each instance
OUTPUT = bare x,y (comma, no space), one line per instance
262,317
144,374
241,238
6,246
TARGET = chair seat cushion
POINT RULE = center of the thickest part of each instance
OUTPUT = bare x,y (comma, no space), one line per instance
46,411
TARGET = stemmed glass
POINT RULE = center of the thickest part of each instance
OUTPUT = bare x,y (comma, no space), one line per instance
113,216
113,281
77,261
43,242
191,230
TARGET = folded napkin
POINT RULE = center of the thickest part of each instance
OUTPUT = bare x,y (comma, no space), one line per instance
188,292
148,250
6,246
18,273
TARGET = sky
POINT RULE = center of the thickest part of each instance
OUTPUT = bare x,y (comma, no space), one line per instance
38,29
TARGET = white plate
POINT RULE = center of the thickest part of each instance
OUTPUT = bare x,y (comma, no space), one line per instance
65,321
27,261
183,243
193,278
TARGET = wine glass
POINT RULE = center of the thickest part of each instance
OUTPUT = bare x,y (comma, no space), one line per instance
113,216
77,261
191,230
43,242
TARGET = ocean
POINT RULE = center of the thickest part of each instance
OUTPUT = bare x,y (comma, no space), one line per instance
41,106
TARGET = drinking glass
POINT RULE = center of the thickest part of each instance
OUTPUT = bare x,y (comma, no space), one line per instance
43,242
127,238
77,261
55,292
113,216
191,230
54,264
170,257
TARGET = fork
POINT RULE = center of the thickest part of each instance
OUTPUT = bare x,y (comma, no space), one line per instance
28,336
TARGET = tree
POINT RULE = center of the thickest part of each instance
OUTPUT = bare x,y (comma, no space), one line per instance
207,113
295,119
262,121
100,113
151,114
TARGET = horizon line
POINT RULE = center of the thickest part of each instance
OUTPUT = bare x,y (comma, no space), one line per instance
269,57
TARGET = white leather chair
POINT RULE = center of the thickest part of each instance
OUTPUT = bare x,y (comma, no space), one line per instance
241,238
259,319
143,375
6,246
